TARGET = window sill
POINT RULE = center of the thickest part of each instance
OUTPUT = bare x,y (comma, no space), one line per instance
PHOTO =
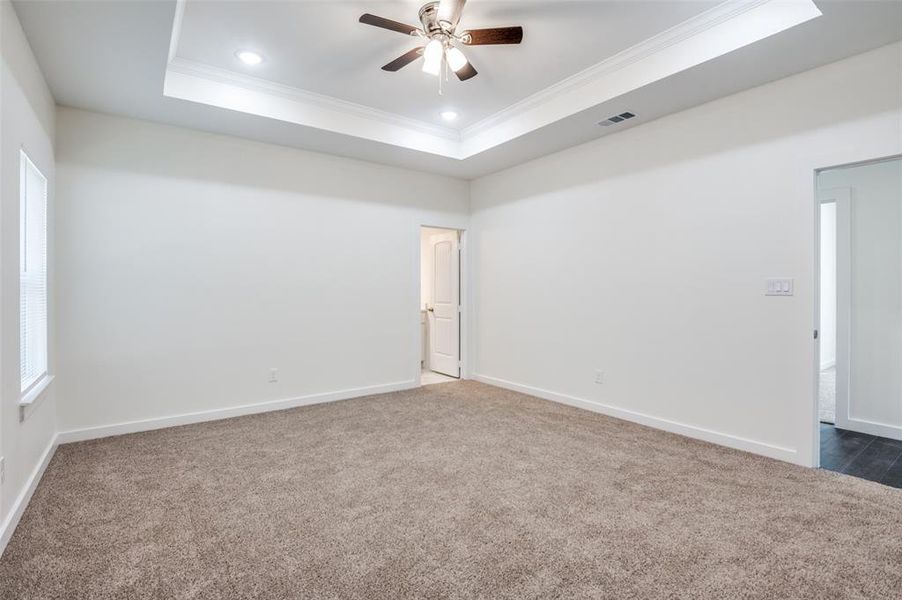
33,397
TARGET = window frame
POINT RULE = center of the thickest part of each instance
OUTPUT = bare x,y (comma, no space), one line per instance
30,394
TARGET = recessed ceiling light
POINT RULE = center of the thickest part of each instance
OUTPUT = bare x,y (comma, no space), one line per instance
449,115
248,57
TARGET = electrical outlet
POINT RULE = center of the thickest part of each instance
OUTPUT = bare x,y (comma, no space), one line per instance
599,376
273,375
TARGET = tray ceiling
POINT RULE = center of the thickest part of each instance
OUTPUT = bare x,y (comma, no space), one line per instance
320,68
129,59
320,47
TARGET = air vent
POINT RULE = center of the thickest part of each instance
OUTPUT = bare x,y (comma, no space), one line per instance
616,119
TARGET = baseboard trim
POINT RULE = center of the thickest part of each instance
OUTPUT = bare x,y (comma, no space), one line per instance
91,433
21,502
700,433
873,427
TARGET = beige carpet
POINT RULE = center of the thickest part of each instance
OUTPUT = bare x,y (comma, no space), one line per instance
456,490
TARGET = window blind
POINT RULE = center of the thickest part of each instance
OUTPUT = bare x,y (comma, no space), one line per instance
32,273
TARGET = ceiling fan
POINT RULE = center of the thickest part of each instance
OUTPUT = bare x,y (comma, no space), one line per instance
442,40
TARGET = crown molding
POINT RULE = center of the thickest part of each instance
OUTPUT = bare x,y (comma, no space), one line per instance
248,82
176,34
714,33
658,43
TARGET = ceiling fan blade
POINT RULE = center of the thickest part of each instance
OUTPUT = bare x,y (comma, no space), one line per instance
449,11
466,72
493,35
404,60
384,23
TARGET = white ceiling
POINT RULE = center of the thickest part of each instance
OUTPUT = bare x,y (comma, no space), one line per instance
113,57
320,47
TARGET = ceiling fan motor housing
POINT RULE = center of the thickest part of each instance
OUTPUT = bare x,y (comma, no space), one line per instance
429,19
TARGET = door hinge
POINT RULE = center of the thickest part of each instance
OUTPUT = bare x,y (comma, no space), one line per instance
815,334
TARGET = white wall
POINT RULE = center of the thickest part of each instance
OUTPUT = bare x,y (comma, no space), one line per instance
27,121
827,330
644,254
189,264
875,349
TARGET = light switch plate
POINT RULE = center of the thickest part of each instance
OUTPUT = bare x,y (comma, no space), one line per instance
778,287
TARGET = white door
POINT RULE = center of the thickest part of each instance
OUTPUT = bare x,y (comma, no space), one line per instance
444,315
842,197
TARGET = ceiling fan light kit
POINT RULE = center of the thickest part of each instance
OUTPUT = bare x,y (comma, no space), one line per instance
432,57
456,59
438,29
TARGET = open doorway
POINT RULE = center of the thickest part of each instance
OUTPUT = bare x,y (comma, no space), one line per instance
440,294
860,320
827,331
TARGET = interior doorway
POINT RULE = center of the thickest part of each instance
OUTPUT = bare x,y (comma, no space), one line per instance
860,319
440,305
827,330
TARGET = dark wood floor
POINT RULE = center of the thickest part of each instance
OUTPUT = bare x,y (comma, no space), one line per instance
862,455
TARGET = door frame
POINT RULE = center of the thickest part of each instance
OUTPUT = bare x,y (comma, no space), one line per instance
465,300
816,365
